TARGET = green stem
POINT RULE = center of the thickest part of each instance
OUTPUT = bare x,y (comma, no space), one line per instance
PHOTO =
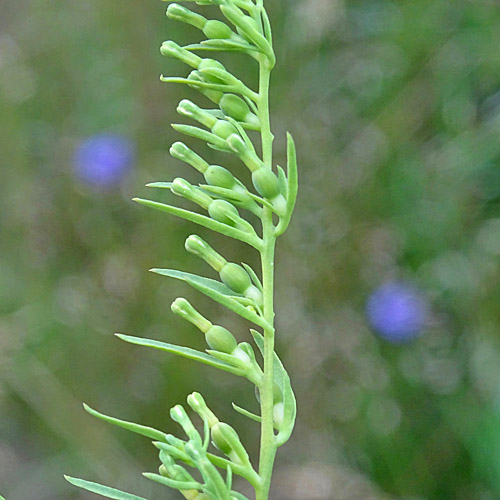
267,444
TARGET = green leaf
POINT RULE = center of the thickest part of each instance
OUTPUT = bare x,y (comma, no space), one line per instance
216,291
220,87
282,379
161,185
104,491
185,352
172,483
203,135
2,498
202,220
253,275
149,432
292,189
246,413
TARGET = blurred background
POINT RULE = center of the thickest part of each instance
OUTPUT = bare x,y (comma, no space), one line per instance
388,299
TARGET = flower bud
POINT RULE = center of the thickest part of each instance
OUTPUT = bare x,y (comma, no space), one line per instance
235,107
223,211
182,188
278,414
181,152
220,176
198,405
179,415
213,95
217,29
266,183
208,64
226,439
195,245
171,49
179,13
221,339
235,277
181,307
251,160
224,129
189,109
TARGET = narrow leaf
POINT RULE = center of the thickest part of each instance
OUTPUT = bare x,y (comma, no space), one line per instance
104,491
246,413
216,291
172,483
185,352
292,189
199,133
253,275
203,220
149,432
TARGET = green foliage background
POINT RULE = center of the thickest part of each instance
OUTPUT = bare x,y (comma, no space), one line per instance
395,107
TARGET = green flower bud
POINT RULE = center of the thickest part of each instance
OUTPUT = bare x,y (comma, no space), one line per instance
171,49
224,129
179,415
189,109
181,152
195,245
198,405
235,277
163,471
221,339
181,307
220,176
213,95
251,160
182,188
179,13
235,107
217,29
223,211
208,64
226,439
266,183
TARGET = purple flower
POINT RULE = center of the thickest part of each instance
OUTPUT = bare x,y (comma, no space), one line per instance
104,159
397,311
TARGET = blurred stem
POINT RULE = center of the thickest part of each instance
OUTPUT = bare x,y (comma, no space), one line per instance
267,443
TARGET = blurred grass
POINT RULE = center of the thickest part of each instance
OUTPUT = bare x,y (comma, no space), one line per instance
396,111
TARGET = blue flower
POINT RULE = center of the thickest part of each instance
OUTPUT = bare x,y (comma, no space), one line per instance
104,159
397,311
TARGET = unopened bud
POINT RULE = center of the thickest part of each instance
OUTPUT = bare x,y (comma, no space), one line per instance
179,415
208,64
278,414
183,188
171,49
223,211
251,160
181,307
235,277
198,405
235,107
179,13
195,245
181,152
217,29
213,95
191,110
223,129
220,176
221,339
226,439
266,183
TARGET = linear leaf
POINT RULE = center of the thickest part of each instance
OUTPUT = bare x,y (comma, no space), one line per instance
246,413
216,291
143,430
253,275
172,483
104,491
185,352
204,221
292,189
